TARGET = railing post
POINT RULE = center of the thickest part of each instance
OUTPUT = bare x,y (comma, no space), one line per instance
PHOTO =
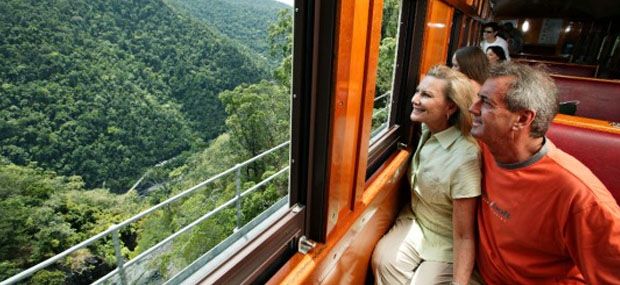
119,256
238,197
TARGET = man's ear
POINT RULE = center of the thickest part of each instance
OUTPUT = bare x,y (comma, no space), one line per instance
524,119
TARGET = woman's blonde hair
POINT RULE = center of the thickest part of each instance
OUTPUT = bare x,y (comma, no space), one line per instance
460,91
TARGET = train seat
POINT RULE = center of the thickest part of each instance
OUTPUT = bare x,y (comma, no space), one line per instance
537,55
598,98
593,142
563,68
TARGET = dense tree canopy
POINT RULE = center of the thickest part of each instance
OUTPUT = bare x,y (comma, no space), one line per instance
245,21
387,55
43,214
257,121
104,89
95,95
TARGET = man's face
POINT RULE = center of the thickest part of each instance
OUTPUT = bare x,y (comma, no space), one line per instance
489,34
492,121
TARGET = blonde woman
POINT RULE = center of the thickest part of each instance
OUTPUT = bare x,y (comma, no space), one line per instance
432,240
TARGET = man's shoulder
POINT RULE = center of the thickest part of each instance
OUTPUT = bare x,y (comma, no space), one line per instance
500,40
502,43
573,173
567,165
560,168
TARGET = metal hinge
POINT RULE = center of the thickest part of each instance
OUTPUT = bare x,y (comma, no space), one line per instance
304,245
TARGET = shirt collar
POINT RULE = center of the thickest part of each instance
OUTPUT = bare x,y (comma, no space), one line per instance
447,136
533,159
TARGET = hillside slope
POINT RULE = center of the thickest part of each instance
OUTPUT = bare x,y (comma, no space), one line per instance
246,21
105,89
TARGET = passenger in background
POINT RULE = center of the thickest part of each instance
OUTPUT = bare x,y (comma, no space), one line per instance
433,240
495,55
544,217
489,33
472,62
514,38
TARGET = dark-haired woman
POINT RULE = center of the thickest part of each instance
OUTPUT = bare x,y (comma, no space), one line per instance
472,62
496,54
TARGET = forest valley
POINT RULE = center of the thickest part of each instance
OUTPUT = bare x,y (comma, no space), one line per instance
96,95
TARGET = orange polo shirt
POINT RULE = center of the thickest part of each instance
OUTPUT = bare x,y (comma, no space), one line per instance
547,221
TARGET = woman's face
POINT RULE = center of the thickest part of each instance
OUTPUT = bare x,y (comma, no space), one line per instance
455,64
430,104
493,58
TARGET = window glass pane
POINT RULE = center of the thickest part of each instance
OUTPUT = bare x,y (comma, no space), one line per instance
110,108
385,69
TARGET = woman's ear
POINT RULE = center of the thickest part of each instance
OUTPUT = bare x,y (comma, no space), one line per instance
452,108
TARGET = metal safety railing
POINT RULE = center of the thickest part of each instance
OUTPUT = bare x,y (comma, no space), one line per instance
374,133
384,95
115,228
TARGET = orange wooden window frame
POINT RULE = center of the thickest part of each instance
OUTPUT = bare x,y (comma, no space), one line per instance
436,35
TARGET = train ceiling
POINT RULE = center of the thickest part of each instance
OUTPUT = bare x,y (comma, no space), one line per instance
594,9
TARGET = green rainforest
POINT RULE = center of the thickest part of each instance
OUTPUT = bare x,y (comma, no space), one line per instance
108,107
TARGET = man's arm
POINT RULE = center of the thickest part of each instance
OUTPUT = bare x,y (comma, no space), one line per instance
592,236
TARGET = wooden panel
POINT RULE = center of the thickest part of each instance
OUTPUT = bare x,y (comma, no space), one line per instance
329,263
464,33
436,35
472,37
372,61
587,123
353,46
486,11
464,6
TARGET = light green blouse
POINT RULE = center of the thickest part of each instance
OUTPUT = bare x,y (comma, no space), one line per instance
445,166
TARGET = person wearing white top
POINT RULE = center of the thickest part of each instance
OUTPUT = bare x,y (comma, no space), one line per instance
489,33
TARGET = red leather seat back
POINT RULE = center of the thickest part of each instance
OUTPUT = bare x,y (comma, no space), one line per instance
563,68
573,69
598,99
598,150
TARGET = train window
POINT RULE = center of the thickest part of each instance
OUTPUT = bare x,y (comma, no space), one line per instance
472,32
386,67
455,34
404,78
464,34
143,142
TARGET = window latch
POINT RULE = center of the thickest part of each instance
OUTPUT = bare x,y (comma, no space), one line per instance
304,245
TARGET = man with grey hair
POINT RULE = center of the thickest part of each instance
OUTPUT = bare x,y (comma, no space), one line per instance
544,217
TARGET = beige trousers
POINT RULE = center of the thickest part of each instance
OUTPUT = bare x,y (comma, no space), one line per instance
395,260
